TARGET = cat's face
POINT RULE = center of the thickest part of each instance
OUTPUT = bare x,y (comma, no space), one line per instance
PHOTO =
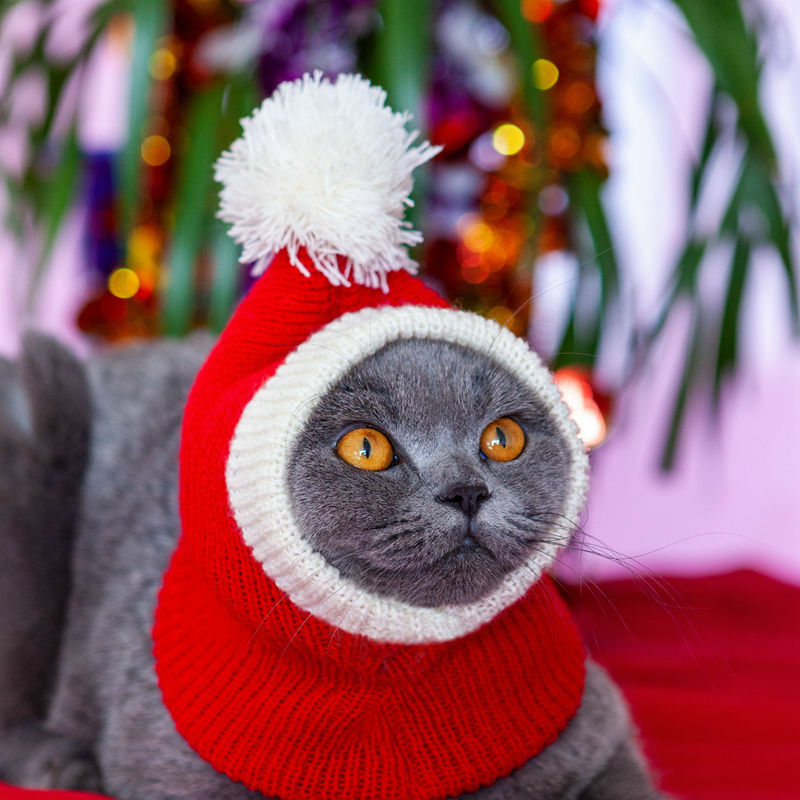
440,523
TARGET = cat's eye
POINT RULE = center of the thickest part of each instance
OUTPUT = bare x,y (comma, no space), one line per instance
366,448
502,440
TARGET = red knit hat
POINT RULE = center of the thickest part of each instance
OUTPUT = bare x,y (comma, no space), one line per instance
278,670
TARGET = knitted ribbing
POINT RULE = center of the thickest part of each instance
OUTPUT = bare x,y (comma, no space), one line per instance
258,485
300,711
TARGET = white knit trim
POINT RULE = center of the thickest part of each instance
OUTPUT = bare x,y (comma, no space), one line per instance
257,468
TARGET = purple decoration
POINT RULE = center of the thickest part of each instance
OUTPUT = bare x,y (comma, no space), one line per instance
102,247
299,36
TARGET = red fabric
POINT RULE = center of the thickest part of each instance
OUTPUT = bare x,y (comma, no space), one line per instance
282,701
711,668
13,793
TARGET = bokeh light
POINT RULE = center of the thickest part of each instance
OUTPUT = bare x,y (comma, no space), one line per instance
553,200
474,273
123,283
537,10
504,316
508,139
578,97
155,151
144,245
477,235
565,142
162,64
545,74
579,397
483,154
204,6
595,151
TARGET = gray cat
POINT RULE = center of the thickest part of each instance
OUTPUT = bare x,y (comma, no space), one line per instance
88,492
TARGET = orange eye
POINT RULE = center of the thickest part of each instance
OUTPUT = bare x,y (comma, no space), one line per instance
502,440
366,448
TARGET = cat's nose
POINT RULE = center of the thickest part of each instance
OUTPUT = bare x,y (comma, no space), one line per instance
467,497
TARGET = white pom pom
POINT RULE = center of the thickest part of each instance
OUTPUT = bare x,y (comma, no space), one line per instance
326,167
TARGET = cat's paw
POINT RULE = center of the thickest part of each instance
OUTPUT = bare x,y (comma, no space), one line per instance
80,774
59,764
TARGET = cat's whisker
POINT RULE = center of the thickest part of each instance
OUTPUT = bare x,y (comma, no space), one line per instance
359,344
298,585
349,361
584,542
300,627
341,619
534,296
363,637
339,624
293,418
293,637
600,595
658,590
385,525
403,546
537,576
654,586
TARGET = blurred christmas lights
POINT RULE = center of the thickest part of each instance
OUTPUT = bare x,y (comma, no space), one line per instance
162,64
524,209
578,394
503,192
545,74
537,10
123,283
155,151
508,139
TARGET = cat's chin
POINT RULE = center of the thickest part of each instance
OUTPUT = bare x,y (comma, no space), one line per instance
464,575
467,563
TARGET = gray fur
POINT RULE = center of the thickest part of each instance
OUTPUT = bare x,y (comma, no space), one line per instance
395,531
103,724
599,733
43,448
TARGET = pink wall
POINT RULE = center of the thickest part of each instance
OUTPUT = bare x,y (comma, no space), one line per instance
734,497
